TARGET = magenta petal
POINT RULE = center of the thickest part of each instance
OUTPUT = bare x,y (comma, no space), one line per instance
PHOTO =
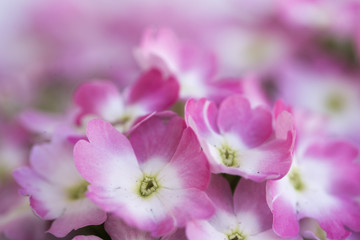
157,137
285,222
153,91
252,125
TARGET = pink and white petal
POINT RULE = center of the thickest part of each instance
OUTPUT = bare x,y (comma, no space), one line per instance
99,98
189,163
336,222
54,162
271,160
159,48
202,229
77,214
341,158
103,135
250,207
87,237
148,214
186,204
201,117
253,126
285,220
219,192
102,167
153,92
48,201
108,158
157,137
119,230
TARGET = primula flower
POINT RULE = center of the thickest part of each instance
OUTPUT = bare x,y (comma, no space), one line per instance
193,67
245,215
119,230
330,93
56,189
322,184
151,92
154,180
240,140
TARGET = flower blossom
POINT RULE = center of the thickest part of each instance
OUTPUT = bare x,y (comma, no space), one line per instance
56,189
155,180
151,92
193,67
240,140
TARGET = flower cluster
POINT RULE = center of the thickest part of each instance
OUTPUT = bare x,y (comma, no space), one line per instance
211,120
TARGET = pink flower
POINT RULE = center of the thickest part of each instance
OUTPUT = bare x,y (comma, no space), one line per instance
151,92
56,189
240,140
193,67
322,184
153,181
242,216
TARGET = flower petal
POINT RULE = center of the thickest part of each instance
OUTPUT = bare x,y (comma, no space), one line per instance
252,125
77,214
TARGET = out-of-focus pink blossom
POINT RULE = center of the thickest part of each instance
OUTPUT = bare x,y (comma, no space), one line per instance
152,92
56,189
193,67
